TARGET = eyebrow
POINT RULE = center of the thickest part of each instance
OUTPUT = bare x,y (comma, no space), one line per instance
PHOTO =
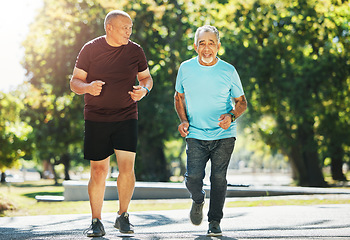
128,25
210,40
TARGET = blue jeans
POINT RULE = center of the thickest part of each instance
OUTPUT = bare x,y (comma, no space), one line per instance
198,154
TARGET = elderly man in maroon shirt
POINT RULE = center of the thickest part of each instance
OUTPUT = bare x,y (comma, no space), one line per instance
106,71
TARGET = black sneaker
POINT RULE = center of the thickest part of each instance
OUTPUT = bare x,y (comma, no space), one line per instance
96,229
123,224
196,214
214,229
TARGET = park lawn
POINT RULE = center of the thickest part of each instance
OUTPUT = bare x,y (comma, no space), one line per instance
22,197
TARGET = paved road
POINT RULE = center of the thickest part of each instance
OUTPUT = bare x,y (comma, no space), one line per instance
275,222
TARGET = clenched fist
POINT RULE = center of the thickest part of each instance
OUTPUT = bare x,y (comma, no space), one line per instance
95,87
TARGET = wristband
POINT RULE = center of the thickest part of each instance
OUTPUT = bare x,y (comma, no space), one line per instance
233,117
147,90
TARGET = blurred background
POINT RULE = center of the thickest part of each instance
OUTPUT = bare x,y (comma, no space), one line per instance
292,56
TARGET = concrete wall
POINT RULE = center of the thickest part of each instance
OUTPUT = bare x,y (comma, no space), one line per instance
77,190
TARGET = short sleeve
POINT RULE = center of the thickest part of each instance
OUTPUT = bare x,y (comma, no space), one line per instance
178,86
236,88
142,61
83,59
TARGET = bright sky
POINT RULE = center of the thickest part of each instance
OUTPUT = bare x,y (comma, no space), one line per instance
15,17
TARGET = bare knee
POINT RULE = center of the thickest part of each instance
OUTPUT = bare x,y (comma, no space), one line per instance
99,173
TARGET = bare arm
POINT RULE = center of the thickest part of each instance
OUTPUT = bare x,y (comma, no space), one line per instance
238,110
240,106
79,85
145,81
180,107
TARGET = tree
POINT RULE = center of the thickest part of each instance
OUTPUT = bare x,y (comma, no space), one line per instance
55,113
163,29
334,121
13,132
287,51
280,48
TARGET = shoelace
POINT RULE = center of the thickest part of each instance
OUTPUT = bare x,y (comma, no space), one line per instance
88,229
127,220
198,209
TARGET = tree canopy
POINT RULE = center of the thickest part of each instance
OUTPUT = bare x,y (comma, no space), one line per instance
292,56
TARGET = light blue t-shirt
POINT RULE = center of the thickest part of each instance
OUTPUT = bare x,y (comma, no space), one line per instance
208,92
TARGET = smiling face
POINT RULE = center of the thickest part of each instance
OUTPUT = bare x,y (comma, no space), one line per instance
207,48
118,31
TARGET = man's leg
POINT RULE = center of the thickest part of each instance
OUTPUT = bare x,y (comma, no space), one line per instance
220,159
197,158
97,184
126,185
126,178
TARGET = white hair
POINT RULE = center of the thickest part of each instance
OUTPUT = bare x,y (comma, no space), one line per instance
206,28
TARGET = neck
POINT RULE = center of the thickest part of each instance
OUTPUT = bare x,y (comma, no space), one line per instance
110,42
201,62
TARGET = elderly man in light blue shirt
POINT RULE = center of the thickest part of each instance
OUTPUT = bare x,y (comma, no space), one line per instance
209,97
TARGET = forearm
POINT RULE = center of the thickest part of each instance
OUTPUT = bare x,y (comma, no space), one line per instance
240,106
147,83
78,86
180,108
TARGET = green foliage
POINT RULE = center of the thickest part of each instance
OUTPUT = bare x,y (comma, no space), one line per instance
13,132
165,31
293,55
52,45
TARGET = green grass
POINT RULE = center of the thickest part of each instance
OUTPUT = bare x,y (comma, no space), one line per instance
22,198
19,198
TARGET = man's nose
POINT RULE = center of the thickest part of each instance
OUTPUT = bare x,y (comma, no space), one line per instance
206,46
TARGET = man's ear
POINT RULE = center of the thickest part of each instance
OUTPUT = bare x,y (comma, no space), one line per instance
195,47
109,27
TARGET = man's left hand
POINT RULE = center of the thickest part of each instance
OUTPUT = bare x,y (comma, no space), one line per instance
138,93
225,121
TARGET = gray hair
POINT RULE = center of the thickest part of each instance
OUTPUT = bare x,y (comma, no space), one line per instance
113,14
206,28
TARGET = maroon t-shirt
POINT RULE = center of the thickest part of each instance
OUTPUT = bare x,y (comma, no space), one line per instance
118,68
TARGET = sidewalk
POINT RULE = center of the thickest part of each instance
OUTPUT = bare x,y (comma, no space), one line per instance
275,222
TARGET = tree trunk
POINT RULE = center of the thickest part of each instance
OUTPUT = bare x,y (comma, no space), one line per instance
299,173
55,174
314,175
336,154
3,177
151,163
65,160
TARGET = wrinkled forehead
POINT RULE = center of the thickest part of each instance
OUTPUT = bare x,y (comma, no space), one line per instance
207,36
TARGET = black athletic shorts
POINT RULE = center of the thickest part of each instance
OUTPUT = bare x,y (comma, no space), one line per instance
101,138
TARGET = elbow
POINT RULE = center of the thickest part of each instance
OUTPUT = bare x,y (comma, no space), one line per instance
72,85
245,107
176,97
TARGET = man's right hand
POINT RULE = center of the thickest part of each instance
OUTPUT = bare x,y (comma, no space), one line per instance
95,87
183,129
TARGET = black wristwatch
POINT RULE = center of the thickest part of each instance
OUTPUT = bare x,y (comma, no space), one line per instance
233,117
